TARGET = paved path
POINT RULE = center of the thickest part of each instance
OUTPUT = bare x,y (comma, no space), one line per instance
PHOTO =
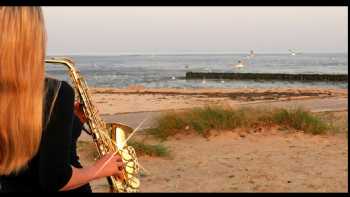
315,105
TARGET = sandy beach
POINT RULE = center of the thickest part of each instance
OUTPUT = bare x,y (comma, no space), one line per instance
174,99
138,99
258,160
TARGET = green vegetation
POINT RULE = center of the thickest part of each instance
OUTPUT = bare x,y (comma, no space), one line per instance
147,149
81,145
202,120
88,148
301,120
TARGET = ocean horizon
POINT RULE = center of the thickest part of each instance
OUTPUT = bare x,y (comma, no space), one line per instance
157,70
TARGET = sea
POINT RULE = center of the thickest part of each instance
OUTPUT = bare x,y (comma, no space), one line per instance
169,70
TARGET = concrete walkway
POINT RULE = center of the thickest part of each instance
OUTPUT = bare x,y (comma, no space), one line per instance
315,105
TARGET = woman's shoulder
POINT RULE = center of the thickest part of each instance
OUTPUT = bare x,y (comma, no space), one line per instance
66,89
60,87
59,95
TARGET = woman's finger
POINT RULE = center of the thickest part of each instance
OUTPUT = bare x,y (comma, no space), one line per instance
120,164
120,175
119,159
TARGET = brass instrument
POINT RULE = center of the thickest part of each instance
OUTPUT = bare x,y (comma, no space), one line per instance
108,137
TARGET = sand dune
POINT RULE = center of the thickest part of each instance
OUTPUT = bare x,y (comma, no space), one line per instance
265,161
262,160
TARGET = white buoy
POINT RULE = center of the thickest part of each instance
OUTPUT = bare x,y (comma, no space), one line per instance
208,69
173,78
292,52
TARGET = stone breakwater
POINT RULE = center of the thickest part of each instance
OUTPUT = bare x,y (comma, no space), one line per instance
268,76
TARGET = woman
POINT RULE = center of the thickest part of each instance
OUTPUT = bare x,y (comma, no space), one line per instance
38,128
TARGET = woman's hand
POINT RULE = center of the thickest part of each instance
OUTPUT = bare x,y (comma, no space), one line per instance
110,164
78,111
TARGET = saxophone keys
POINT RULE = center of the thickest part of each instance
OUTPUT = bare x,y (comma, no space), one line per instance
134,183
126,156
97,136
129,170
130,164
101,148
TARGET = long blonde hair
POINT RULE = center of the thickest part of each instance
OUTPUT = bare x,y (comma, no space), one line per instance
22,54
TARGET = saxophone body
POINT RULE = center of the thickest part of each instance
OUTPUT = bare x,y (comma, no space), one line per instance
108,137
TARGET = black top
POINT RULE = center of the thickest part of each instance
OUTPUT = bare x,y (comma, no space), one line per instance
50,169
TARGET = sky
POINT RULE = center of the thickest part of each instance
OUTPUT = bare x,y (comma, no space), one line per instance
155,30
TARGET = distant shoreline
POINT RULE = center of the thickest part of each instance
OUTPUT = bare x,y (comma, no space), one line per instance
184,53
268,76
140,99
141,89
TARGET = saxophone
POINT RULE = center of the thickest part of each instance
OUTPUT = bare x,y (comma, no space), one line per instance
108,137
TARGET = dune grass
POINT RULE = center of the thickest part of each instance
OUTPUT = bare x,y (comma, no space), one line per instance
141,149
202,120
147,149
301,120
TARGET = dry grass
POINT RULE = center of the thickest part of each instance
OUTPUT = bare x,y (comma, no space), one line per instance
338,120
